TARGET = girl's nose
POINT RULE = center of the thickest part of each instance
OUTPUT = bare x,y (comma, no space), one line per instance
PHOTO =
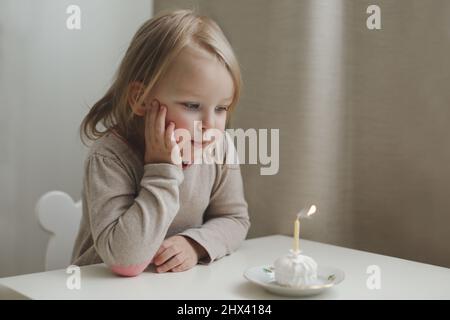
208,121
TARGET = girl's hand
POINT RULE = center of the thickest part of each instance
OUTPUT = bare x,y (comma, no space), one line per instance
160,144
178,253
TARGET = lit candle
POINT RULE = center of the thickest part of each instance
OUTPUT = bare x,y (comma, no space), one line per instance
297,235
310,212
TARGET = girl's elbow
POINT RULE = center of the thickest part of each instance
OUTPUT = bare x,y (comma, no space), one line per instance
129,271
118,259
245,223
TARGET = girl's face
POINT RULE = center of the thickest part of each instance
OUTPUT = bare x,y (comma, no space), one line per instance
196,87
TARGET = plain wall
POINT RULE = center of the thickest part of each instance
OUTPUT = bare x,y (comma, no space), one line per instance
49,76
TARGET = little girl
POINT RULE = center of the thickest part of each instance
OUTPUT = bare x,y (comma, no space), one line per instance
139,205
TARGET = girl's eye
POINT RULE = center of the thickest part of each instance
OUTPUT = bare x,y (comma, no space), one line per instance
191,106
222,109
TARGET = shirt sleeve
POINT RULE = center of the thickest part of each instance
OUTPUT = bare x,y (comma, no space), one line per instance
226,219
128,228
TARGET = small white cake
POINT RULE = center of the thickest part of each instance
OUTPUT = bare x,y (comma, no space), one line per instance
295,270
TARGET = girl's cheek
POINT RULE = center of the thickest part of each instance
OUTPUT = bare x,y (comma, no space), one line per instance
172,117
179,122
220,124
180,119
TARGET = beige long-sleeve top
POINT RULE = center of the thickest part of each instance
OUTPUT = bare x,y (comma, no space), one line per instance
129,208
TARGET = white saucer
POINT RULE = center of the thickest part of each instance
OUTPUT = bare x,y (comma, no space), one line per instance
264,276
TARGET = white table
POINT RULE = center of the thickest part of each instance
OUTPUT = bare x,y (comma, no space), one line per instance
223,279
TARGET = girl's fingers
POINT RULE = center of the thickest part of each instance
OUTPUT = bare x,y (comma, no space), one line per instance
175,261
166,255
182,267
166,244
160,122
172,145
152,119
170,136
147,127
181,142
161,249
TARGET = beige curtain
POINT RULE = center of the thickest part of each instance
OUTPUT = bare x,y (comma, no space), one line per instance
364,119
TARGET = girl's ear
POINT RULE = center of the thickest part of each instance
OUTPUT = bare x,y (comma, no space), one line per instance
135,92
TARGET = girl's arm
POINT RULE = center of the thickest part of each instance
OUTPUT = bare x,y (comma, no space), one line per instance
127,229
226,218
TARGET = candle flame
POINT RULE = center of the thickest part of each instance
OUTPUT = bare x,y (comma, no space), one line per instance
310,212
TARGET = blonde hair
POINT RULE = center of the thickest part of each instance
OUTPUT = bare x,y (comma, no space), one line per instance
152,49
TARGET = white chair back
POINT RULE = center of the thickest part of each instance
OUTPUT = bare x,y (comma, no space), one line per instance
60,216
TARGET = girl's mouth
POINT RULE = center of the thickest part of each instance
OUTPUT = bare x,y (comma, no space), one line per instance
200,144
185,164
